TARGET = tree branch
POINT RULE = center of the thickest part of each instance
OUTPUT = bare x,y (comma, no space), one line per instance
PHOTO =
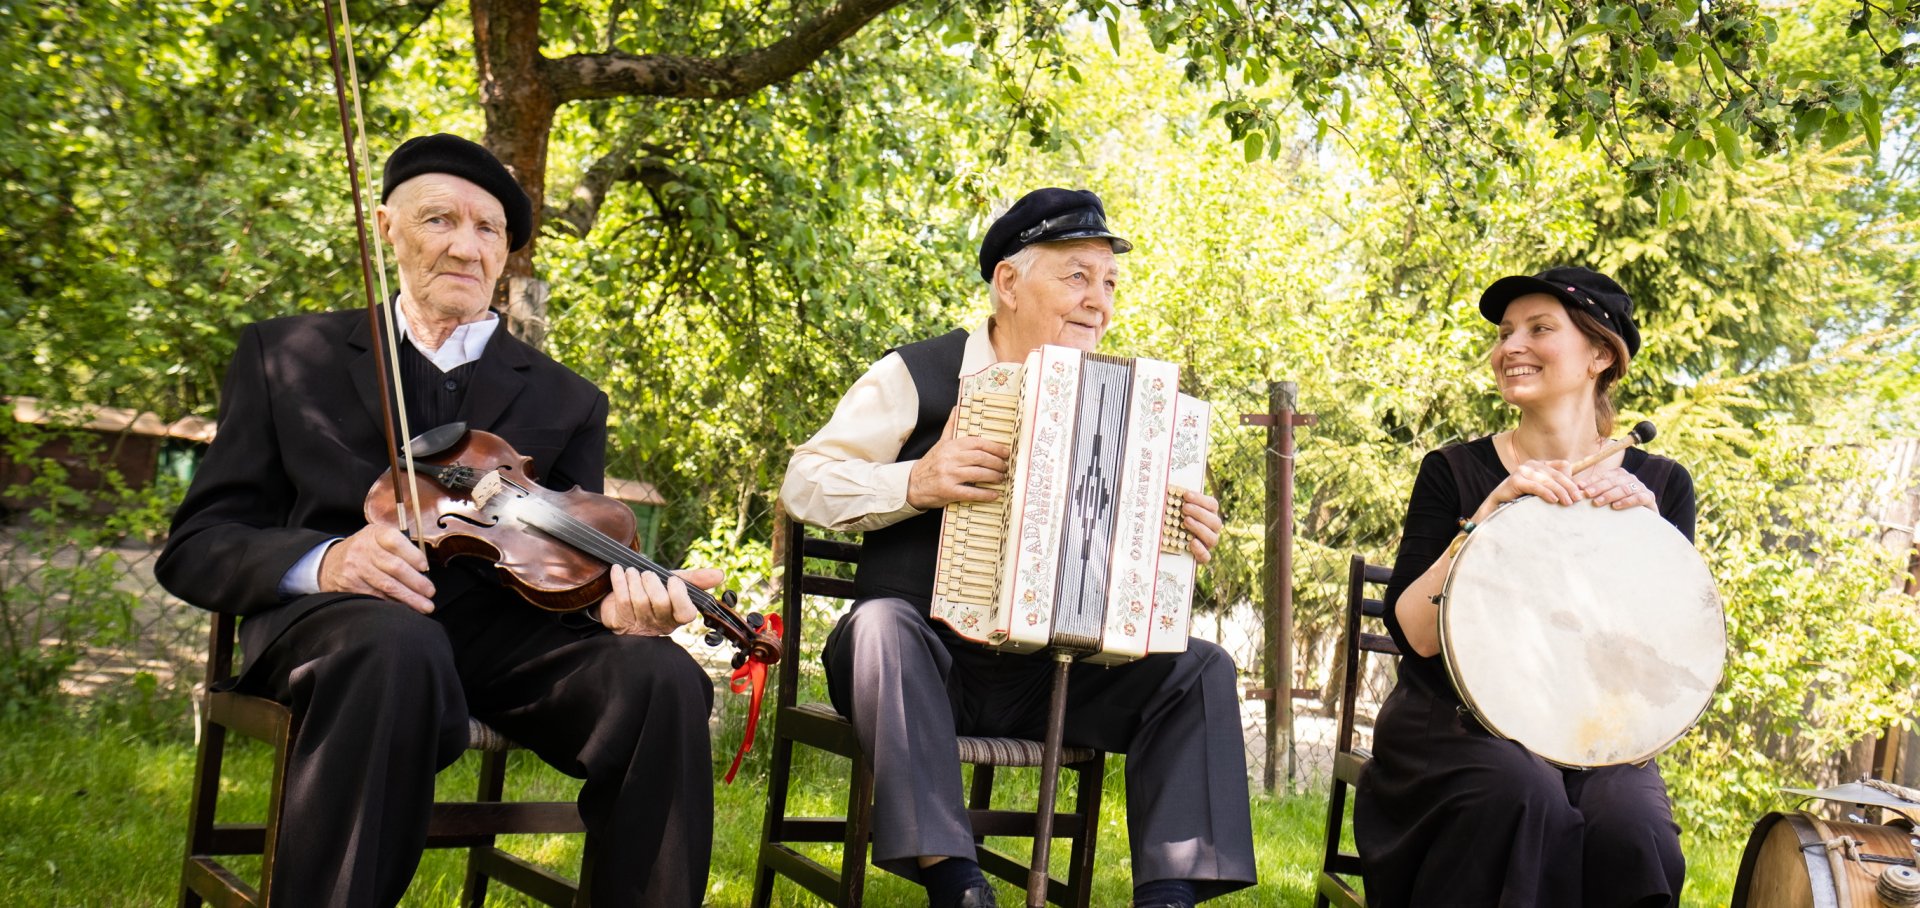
620,166
581,77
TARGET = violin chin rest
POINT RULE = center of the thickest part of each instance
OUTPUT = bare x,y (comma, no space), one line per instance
437,439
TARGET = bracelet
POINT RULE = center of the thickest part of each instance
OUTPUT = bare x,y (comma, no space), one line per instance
1467,525
1453,548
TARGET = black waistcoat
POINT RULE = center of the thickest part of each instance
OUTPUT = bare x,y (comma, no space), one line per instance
899,560
433,396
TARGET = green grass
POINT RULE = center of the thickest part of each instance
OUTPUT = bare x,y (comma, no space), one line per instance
95,815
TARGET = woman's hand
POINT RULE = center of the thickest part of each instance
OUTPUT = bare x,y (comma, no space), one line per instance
1544,479
1616,488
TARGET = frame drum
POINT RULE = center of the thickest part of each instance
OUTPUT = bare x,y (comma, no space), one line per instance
1789,864
1591,636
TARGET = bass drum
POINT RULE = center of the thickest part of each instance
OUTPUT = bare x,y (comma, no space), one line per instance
1798,860
1590,636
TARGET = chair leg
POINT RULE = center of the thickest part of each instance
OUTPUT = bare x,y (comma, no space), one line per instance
1336,821
276,801
980,792
206,797
1086,801
853,857
582,897
493,784
778,784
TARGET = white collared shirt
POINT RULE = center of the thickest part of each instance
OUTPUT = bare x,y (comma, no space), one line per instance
463,346
848,476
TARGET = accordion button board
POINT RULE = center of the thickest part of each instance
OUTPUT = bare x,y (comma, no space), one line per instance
1084,549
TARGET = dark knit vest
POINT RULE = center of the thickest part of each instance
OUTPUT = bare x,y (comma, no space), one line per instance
433,396
899,560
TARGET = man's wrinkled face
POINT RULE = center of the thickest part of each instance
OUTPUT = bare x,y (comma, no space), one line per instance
449,241
1065,297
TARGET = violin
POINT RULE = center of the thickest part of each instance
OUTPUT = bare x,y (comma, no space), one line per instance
479,498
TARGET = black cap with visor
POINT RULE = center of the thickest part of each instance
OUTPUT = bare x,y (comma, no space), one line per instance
1047,215
1578,288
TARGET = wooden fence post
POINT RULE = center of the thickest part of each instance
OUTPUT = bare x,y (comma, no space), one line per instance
1277,587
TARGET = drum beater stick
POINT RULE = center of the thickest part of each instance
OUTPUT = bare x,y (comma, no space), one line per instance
1640,435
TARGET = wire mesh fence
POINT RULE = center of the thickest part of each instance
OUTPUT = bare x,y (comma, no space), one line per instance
81,610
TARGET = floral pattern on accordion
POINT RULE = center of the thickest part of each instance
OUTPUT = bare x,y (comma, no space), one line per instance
998,574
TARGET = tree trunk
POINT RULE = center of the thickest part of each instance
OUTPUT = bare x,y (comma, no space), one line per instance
520,90
519,101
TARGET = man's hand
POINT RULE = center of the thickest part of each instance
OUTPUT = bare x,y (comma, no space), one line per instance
642,606
955,469
378,561
1202,513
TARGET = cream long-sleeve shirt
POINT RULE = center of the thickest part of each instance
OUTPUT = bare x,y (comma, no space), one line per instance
848,476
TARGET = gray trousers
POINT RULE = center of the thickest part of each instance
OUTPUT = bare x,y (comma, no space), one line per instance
910,689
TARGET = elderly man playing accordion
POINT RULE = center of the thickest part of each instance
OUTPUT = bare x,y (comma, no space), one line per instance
885,465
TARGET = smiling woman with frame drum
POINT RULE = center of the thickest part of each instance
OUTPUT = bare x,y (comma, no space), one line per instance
1450,813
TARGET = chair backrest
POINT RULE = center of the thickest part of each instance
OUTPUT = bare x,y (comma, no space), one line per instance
795,585
1356,641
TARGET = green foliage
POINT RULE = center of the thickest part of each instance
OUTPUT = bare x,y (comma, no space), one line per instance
172,177
1661,89
1821,648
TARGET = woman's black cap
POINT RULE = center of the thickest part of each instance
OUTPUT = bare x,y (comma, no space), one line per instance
443,153
1046,216
1589,291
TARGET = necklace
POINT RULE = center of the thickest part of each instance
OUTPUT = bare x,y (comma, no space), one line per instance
1522,455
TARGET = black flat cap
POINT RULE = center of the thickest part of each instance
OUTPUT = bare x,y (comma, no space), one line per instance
1580,288
1046,216
450,154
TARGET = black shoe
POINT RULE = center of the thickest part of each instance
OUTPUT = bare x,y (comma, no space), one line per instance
1161,904
980,896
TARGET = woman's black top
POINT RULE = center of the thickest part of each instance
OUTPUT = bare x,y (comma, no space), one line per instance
1451,485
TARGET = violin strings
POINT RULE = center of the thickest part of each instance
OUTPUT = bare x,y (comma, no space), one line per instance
585,537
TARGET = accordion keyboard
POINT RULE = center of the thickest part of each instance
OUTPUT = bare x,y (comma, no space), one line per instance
1174,534
970,556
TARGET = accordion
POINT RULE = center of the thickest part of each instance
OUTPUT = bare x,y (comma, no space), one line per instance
1084,550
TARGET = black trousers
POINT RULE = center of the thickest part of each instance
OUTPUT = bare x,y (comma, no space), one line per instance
1449,815
381,695
909,691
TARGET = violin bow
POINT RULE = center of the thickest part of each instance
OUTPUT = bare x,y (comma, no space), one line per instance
750,675
373,266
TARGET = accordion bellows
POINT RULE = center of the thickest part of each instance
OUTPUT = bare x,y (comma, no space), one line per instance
1084,549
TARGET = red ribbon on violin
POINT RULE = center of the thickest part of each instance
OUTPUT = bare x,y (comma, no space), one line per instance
469,493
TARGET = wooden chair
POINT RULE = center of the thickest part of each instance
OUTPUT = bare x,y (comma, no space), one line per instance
817,725
471,825
1348,761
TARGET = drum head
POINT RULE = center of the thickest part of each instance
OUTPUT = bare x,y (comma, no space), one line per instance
1591,636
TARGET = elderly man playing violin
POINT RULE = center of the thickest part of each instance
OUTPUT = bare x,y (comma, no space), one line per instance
886,465
383,656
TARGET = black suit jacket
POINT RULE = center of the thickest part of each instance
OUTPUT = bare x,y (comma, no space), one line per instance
299,445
